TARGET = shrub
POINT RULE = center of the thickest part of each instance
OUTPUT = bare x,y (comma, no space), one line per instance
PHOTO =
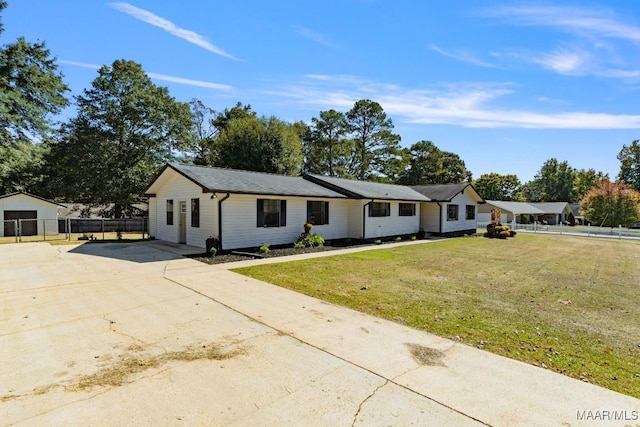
504,234
377,241
213,251
309,240
212,242
512,233
264,249
398,239
412,238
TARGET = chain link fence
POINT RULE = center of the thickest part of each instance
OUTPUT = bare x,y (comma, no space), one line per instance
73,229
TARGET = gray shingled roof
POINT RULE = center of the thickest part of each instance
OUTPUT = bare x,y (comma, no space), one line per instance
516,208
367,189
442,192
246,182
551,207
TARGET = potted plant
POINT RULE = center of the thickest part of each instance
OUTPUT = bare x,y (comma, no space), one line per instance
212,243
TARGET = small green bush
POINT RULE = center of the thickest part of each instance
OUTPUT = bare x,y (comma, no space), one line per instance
412,238
377,241
398,239
264,249
213,251
309,240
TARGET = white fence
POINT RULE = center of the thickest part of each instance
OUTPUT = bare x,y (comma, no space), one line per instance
577,230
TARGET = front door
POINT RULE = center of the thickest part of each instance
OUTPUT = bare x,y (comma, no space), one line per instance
182,223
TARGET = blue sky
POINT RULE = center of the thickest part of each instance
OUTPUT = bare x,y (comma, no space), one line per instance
506,85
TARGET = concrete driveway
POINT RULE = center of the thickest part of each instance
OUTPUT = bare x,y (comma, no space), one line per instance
136,334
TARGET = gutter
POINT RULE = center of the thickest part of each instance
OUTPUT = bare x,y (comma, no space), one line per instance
364,219
220,217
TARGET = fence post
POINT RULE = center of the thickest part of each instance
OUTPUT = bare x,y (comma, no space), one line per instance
619,232
15,228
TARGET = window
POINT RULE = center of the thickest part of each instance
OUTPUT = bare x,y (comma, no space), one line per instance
195,212
407,209
272,213
169,212
317,212
471,212
452,212
380,209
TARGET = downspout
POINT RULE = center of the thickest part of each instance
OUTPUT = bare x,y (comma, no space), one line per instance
220,218
440,221
364,219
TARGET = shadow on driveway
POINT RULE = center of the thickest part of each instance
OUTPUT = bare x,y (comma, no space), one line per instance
140,252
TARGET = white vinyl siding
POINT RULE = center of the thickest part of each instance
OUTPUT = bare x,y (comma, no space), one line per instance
392,225
47,213
152,226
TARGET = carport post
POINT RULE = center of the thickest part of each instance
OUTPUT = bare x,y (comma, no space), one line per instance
15,228
102,228
19,230
44,229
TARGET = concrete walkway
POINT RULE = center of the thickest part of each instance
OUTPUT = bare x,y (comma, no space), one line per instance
135,334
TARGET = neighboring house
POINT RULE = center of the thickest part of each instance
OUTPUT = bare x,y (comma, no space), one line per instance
518,211
577,213
452,210
554,212
28,215
188,204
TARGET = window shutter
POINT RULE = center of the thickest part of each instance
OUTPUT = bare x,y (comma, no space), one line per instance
260,212
283,213
326,212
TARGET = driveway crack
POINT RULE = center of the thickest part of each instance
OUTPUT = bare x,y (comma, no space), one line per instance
373,393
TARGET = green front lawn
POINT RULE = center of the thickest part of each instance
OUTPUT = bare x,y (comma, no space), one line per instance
569,304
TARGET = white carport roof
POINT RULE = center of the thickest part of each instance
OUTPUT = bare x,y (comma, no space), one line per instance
516,208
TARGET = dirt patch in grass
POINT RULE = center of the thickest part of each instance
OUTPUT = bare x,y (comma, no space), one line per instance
568,304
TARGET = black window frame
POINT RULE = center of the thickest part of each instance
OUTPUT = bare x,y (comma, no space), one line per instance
406,209
317,212
455,209
379,209
195,213
169,207
267,219
470,212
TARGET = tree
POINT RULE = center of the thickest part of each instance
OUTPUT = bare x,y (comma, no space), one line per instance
611,204
204,133
585,180
326,148
238,111
430,165
31,89
493,186
125,129
260,144
21,167
629,158
553,183
374,145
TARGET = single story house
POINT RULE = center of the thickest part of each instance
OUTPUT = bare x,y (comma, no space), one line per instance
552,213
452,209
25,214
188,204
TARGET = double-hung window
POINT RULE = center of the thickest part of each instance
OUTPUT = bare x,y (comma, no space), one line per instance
317,212
195,212
272,213
452,212
471,212
169,212
407,209
380,209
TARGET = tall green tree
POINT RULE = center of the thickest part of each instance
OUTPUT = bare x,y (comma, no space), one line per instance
430,165
585,180
611,204
204,133
493,186
125,129
374,143
31,91
553,183
629,158
21,167
326,146
260,144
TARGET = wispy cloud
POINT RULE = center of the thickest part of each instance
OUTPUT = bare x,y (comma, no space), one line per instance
462,55
563,61
473,105
170,27
161,77
596,22
315,36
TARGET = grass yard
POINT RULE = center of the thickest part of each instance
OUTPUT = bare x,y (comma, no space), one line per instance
568,304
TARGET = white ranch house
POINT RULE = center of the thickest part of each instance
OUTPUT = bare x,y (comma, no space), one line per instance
28,215
188,204
452,210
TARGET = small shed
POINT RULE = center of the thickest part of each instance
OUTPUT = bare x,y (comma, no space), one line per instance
28,215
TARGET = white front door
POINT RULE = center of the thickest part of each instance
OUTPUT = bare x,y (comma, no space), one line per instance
182,223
